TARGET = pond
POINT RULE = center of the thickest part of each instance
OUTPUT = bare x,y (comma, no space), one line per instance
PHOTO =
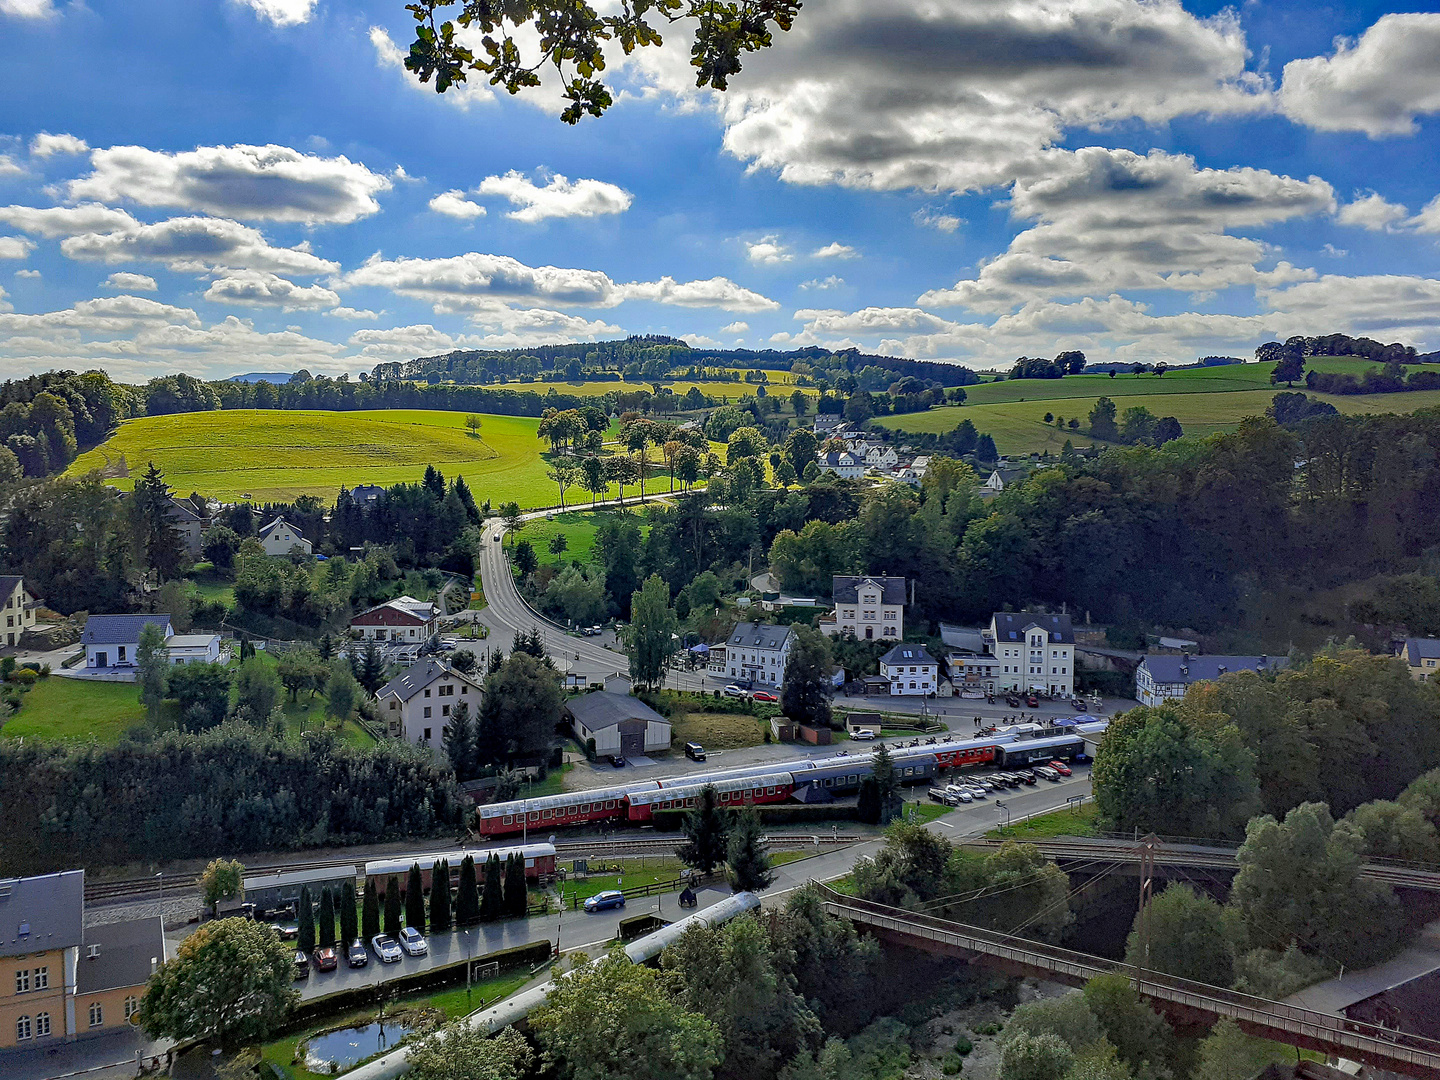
339,1050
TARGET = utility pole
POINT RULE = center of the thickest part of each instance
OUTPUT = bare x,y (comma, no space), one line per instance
1147,875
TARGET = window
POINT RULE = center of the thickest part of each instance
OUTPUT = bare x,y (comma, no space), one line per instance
132,1006
394,704
427,713
23,1030
427,691
444,710
42,978
427,730
22,982
508,819
97,1015
122,653
42,1025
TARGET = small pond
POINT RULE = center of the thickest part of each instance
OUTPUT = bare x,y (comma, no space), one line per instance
348,1046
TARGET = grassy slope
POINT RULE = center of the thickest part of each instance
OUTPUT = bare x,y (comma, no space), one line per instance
74,709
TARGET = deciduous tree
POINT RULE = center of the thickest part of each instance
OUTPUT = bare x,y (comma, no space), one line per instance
651,635
222,879
805,696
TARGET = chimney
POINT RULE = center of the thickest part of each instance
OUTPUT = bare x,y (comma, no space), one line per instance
1185,670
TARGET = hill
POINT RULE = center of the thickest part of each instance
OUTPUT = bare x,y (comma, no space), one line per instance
276,377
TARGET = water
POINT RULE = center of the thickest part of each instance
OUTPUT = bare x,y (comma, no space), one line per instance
348,1046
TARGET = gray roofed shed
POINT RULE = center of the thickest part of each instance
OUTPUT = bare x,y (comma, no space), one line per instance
603,709
42,913
963,638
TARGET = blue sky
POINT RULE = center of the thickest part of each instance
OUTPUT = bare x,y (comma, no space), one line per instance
237,185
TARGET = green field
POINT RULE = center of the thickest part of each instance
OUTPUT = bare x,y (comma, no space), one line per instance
1204,400
59,708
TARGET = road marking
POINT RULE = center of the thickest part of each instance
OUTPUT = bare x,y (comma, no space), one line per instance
941,821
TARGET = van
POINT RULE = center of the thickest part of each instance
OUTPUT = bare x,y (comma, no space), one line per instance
694,751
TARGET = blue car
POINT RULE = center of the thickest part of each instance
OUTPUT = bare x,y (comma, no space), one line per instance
611,898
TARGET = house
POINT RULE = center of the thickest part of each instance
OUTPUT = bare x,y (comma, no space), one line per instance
971,673
1036,652
116,962
1163,678
416,705
620,724
365,494
189,523
863,721
42,927
193,648
754,652
281,538
112,641
912,671
868,607
1421,655
841,463
1003,476
826,423
881,457
403,619
20,607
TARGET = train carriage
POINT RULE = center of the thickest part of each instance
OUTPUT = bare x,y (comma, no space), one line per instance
1039,751
539,864
556,811
753,790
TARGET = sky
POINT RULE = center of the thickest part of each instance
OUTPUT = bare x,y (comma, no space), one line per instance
226,186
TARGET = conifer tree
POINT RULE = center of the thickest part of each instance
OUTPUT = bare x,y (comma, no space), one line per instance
440,919
370,916
326,936
305,921
415,900
349,924
467,900
392,906
745,852
492,901
517,898
706,828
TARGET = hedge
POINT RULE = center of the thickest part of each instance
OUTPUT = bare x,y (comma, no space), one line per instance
638,926
799,814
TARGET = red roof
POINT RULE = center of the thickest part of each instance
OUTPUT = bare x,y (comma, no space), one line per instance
387,616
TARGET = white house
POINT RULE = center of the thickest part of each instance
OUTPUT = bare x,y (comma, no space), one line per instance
754,651
621,725
826,423
20,607
1036,652
1163,678
280,538
403,619
912,671
1003,477
869,607
189,523
112,642
416,704
842,463
881,457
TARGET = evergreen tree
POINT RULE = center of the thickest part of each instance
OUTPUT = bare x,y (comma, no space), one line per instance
305,920
887,783
517,897
327,647
706,830
440,919
746,854
492,901
415,900
467,900
392,906
805,697
152,666
867,805
370,916
460,741
349,924
326,936
372,669
157,540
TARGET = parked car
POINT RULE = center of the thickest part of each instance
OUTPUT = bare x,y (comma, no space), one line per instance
1027,778
617,760
302,965
976,790
764,695
944,797
694,751
1009,779
288,931
863,735
386,949
1047,773
603,901
1060,767
1033,701
1079,705
734,691
357,954
413,942
325,958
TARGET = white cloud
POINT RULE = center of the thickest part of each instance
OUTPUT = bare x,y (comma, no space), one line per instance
560,198
462,95
258,288
5,304
768,251
515,328
933,219
356,314
1378,85
454,204
283,12
27,9
403,342
196,245
55,221
716,292
735,328
831,282
15,247
1392,305
28,274
275,183
46,145
1372,212
1334,252
835,250
127,282
1428,220
10,167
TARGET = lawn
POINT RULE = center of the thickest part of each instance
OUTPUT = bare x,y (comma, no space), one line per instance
57,708
1067,822
719,731
579,527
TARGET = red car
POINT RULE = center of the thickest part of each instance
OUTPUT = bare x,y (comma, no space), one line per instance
1060,767
763,695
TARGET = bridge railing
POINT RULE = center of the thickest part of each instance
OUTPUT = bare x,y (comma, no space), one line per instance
1335,1031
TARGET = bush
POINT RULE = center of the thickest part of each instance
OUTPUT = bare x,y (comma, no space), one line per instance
952,1063
963,1046
987,1028
24,676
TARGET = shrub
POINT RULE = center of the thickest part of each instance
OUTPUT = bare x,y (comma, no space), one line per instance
987,1028
952,1063
963,1046
24,676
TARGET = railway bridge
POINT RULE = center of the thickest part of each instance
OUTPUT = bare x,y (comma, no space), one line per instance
1381,1047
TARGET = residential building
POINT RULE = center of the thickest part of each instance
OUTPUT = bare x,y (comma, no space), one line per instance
1164,678
1421,655
189,523
1003,476
621,725
754,652
42,927
881,457
116,962
20,607
112,642
193,648
868,607
842,463
826,423
281,538
365,494
416,705
912,671
1036,652
403,619
863,721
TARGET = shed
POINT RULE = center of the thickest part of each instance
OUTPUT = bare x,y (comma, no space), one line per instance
619,724
863,721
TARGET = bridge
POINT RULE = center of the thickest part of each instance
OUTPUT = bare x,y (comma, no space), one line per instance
1381,1047
1187,855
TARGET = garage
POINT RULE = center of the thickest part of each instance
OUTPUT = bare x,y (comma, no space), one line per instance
618,724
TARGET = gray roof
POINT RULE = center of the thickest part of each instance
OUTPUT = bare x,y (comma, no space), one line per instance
1416,649
183,509
907,654
749,635
843,587
120,629
963,638
1011,626
1009,474
126,955
42,913
8,584
833,459
365,493
276,524
1186,670
603,709
417,677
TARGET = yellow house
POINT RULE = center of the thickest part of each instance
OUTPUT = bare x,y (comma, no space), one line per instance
1421,655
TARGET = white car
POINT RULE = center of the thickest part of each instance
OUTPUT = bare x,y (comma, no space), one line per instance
386,949
863,735
734,691
413,942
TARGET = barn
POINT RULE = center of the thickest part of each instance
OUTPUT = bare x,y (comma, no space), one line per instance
619,724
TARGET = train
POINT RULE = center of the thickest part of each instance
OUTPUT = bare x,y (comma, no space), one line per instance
539,864
758,785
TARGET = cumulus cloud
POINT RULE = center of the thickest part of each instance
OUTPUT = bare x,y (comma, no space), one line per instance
10,167
1378,85
27,9
454,204
1428,220
831,282
933,219
560,198
196,245
46,145
716,292
258,288
768,251
835,250
1393,305
124,281
28,274
15,247
275,183
735,328
282,12
392,57
355,314
1373,212
56,221
5,304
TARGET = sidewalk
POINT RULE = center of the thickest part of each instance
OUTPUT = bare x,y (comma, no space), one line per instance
103,1056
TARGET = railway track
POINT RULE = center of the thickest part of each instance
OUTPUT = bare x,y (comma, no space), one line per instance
130,890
